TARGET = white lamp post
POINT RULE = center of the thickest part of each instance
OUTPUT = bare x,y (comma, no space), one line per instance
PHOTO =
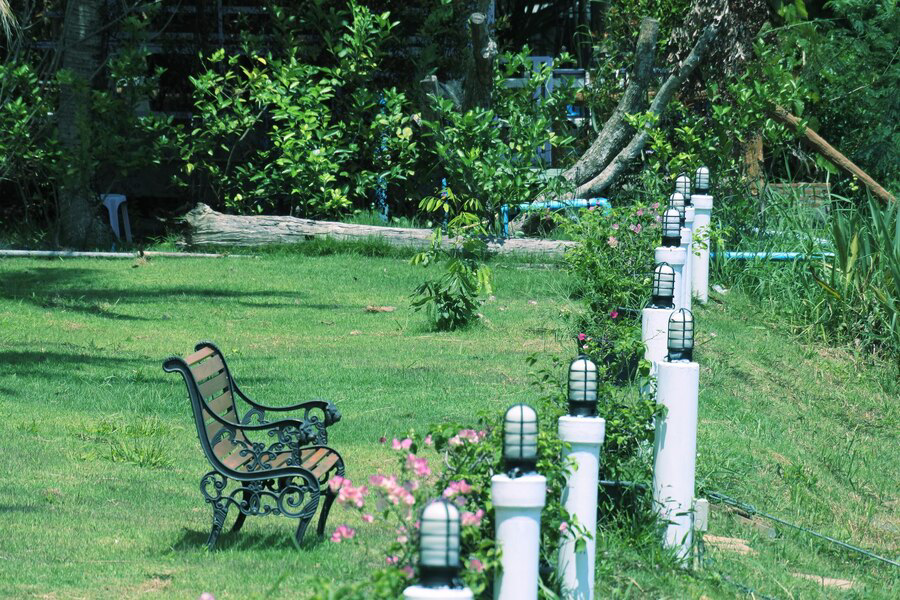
518,497
703,204
671,251
584,431
655,318
679,202
438,555
675,443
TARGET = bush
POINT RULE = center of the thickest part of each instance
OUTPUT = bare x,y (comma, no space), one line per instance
278,134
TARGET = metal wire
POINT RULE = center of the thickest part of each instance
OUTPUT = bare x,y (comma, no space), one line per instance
749,508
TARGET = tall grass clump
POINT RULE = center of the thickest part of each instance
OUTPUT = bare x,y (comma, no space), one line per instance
848,290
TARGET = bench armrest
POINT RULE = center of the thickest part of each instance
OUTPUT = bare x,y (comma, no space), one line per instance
329,415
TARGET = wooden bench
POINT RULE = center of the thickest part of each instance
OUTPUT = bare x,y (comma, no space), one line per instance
261,467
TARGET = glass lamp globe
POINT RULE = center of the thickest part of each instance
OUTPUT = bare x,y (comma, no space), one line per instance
583,387
663,294
439,544
520,433
681,336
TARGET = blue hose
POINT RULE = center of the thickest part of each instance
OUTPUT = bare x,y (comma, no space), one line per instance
553,205
774,256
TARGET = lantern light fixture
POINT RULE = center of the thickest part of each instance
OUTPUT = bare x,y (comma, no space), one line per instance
583,387
701,180
663,294
681,336
683,187
439,527
677,202
520,433
671,227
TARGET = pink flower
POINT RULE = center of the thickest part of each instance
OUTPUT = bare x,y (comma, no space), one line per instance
612,241
655,205
455,441
563,527
476,565
402,538
640,212
342,533
418,465
592,208
460,487
613,314
207,596
471,435
615,227
581,337
408,571
335,483
368,518
468,518
352,495
428,441
392,560
401,445
636,228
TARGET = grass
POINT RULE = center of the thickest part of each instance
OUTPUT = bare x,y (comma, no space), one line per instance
100,497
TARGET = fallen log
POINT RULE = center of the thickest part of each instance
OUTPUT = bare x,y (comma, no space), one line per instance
206,227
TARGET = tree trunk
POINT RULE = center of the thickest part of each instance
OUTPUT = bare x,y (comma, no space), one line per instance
81,59
480,82
831,153
616,131
612,171
206,227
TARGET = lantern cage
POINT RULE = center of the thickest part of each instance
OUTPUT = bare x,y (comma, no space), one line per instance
520,433
583,387
439,527
663,294
677,202
683,187
701,180
681,336
671,228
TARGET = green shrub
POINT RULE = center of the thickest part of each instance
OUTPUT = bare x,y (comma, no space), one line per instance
279,134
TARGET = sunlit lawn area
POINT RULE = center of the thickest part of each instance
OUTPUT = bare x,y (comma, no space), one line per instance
100,497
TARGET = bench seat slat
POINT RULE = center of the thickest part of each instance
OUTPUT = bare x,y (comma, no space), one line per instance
207,368
223,405
214,385
199,355
235,460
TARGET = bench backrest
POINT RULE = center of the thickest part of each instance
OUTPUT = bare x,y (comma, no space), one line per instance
208,378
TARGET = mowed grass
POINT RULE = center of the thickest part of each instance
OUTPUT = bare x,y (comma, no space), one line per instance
100,498
100,494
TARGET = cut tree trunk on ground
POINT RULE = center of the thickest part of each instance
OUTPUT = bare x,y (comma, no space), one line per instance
830,152
206,227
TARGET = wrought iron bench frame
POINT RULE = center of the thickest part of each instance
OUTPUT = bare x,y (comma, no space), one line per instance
286,477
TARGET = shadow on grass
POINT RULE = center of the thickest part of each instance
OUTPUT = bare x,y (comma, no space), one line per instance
17,508
53,365
82,291
191,540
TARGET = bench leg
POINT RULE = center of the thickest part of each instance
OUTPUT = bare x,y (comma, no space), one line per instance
329,500
326,508
220,511
241,516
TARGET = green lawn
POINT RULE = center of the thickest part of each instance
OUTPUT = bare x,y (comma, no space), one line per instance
101,498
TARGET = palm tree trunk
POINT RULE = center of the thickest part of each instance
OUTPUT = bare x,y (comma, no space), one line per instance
82,48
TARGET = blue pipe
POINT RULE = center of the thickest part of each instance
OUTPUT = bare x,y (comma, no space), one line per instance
775,256
553,205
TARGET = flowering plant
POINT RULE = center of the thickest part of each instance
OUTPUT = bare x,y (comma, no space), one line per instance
612,266
469,457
